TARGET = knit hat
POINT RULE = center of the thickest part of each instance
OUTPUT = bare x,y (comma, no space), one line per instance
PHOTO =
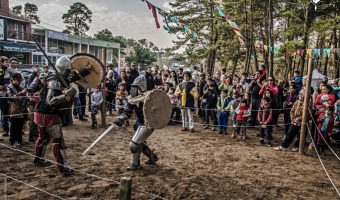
16,76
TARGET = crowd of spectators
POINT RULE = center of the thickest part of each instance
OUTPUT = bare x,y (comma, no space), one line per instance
223,102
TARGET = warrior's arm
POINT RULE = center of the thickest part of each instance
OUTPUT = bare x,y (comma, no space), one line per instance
55,96
34,86
81,73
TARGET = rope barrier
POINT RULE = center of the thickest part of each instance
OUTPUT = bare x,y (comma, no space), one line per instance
81,172
323,166
320,134
31,186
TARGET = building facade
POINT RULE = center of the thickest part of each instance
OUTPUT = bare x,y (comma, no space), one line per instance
15,35
57,44
16,41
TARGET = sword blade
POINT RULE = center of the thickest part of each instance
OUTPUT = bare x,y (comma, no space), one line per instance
99,138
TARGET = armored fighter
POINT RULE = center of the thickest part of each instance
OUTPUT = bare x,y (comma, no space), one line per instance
52,97
153,109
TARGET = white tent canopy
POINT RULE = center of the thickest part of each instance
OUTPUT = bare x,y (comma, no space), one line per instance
317,78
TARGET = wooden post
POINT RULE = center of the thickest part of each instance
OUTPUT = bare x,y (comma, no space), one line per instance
125,188
104,91
306,107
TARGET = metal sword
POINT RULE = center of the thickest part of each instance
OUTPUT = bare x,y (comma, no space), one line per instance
100,137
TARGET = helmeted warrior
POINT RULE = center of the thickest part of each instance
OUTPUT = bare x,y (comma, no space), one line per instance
138,94
53,95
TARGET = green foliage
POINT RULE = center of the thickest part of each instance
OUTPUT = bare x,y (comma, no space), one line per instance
77,19
30,11
142,56
17,9
103,35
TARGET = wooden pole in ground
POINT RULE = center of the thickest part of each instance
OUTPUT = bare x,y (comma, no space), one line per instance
104,91
306,107
125,188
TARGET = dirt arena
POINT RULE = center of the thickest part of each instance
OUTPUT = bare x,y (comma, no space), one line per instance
201,165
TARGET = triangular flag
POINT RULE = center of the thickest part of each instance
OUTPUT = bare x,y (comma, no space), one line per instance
327,52
309,52
276,50
265,47
220,12
166,23
194,35
174,20
179,24
227,17
316,52
270,49
190,32
302,52
186,29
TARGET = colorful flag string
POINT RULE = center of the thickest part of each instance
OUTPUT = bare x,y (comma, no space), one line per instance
233,25
168,18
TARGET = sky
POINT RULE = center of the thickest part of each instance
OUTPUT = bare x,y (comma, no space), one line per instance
129,18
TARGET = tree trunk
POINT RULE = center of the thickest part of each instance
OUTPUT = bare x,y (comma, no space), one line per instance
271,40
255,60
305,39
336,56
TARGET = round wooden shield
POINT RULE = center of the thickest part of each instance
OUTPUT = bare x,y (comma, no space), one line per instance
157,109
80,61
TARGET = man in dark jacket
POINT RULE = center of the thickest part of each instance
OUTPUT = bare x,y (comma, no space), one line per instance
35,73
210,96
149,79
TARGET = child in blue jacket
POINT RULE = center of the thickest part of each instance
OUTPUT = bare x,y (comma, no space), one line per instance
223,111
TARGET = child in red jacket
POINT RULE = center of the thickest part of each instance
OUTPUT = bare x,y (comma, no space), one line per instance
264,117
243,113
325,125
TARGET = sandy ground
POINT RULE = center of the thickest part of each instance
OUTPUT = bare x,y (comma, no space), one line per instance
201,165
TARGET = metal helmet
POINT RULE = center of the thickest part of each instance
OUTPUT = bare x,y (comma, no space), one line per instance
63,64
140,81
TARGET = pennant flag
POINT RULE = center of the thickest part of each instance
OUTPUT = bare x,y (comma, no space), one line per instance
186,29
179,24
241,41
276,50
190,31
194,35
167,24
327,52
270,48
154,13
316,52
309,52
287,52
294,54
227,17
265,47
174,20
302,52
220,12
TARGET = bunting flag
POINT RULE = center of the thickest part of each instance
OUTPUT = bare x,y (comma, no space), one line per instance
154,13
327,52
302,52
316,52
276,50
309,52
167,24
167,19
233,25
270,48
265,47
